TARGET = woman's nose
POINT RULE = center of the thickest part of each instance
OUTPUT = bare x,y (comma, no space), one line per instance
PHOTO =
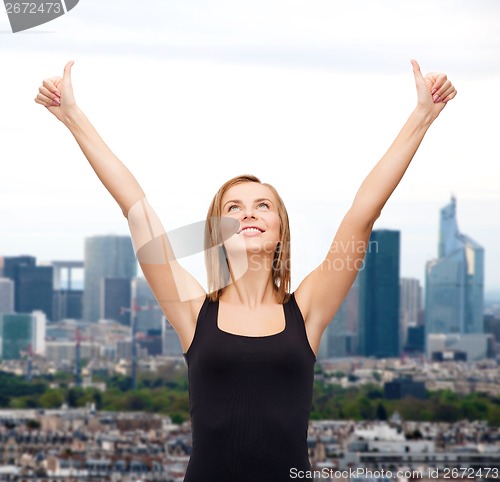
248,213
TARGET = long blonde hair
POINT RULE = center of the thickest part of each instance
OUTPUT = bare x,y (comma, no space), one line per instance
215,256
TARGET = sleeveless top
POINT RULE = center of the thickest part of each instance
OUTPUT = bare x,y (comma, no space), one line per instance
250,399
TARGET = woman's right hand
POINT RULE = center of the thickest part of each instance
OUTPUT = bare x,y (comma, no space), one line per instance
56,94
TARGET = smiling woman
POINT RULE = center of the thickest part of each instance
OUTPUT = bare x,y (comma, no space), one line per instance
250,344
251,204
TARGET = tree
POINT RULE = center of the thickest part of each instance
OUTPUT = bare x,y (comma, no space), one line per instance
53,398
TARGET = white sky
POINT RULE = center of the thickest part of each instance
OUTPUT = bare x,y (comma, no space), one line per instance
305,94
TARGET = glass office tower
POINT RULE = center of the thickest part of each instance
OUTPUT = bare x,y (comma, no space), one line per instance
379,296
105,257
20,333
454,287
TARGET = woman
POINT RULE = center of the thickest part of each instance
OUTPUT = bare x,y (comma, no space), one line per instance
249,344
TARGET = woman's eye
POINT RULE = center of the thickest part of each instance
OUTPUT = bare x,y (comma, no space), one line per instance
234,207
263,205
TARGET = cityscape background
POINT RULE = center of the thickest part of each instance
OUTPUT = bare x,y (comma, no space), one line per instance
307,95
384,314
117,404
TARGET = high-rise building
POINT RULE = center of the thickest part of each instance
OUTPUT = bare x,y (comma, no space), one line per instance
454,283
34,289
492,326
10,264
67,305
116,299
415,342
171,343
410,304
105,257
10,269
149,314
21,332
68,295
379,296
6,295
43,287
340,337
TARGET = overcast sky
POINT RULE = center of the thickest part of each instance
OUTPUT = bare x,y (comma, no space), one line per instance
305,94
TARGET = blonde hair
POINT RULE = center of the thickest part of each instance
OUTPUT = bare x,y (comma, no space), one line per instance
215,255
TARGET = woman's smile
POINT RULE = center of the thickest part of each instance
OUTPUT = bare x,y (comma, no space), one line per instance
251,231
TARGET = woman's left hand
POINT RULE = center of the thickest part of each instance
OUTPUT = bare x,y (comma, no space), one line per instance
434,90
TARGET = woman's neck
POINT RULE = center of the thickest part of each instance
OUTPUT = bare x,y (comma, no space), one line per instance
253,287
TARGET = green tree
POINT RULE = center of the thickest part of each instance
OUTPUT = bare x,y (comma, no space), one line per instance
366,410
446,412
52,398
137,402
177,418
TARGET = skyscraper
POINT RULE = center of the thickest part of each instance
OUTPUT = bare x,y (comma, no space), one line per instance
379,296
11,265
68,292
6,295
170,340
340,336
115,298
20,332
410,306
454,283
34,289
149,316
105,257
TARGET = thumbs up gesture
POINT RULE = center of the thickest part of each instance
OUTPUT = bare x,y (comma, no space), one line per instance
56,93
433,91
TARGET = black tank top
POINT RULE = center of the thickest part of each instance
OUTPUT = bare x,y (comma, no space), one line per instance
250,399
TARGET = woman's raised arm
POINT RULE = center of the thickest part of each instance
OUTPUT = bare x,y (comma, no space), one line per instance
178,293
322,292
56,94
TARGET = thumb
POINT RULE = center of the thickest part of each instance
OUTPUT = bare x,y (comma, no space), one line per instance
417,72
67,71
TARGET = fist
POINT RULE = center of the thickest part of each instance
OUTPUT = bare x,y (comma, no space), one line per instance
433,91
56,93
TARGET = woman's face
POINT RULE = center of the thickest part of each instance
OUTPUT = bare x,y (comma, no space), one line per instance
254,206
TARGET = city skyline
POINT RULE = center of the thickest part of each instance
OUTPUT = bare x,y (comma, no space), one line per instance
306,96
422,278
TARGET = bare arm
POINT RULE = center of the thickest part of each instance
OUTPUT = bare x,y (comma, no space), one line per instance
322,292
178,293
114,175
57,95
